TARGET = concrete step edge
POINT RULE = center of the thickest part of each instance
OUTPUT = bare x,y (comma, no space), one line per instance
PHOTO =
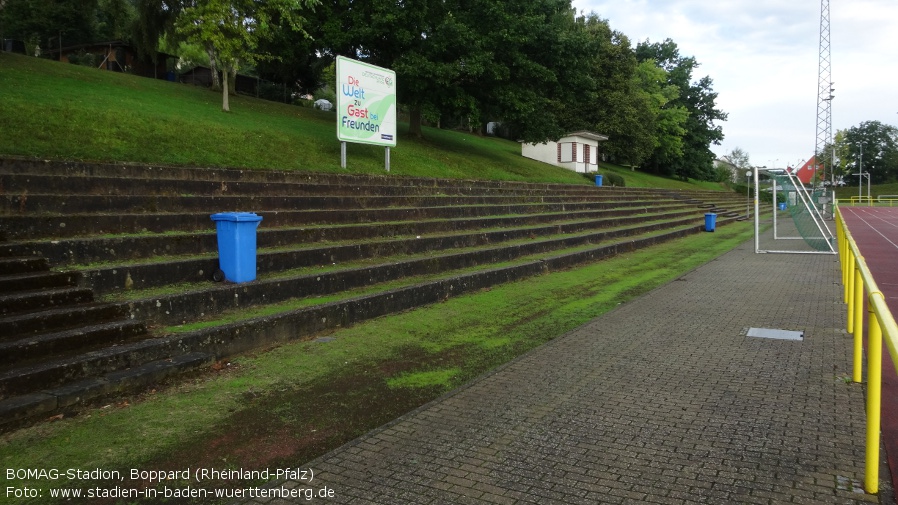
29,407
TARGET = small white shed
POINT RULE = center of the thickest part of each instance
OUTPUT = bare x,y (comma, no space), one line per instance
577,151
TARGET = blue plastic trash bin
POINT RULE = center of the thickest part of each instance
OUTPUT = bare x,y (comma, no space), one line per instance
598,179
710,221
237,244
782,205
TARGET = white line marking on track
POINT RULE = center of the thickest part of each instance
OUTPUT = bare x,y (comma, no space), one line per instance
887,239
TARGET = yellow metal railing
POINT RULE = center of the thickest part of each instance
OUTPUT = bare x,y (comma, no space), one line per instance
856,278
860,201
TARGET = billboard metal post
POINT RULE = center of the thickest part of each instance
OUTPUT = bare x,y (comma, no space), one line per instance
366,106
342,154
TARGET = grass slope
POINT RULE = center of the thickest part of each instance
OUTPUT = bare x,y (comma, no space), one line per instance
62,111
876,190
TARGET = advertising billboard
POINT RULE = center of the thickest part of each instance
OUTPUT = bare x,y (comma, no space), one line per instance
366,103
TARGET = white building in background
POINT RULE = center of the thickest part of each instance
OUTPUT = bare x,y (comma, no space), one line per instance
577,151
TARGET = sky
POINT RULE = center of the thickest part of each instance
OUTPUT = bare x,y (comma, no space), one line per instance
763,58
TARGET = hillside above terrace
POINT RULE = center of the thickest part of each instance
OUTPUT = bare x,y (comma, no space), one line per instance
53,110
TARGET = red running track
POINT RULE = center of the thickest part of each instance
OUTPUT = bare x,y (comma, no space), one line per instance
875,230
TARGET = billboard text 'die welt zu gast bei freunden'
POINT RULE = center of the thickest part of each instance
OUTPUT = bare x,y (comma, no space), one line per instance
366,103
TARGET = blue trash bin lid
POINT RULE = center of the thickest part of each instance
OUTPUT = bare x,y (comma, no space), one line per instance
236,216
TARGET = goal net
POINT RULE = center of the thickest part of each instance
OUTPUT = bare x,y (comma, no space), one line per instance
805,212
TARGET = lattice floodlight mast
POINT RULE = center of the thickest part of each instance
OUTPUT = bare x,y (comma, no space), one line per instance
804,205
824,99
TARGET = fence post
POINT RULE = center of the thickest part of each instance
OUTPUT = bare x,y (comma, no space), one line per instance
858,302
849,289
844,252
845,263
874,399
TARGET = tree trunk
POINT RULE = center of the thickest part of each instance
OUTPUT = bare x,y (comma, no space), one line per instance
224,94
414,122
216,82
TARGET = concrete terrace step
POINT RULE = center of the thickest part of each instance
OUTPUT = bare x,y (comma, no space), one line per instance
213,299
136,246
232,338
62,204
56,372
133,171
137,275
17,352
22,409
34,227
20,265
43,298
29,323
21,187
32,280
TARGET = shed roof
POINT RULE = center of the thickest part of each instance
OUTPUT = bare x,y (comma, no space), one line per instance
588,135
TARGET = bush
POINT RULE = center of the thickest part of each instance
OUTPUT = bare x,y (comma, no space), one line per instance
86,59
763,196
614,180
723,174
329,95
271,91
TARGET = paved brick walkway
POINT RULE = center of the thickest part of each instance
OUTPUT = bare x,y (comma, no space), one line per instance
664,400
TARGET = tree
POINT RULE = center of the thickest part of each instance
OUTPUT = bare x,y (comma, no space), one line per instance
626,100
698,98
515,61
424,44
876,143
334,27
668,118
530,59
612,103
295,59
231,30
739,158
701,131
115,19
47,24
154,23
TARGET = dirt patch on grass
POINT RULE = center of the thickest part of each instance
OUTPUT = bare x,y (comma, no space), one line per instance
295,424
